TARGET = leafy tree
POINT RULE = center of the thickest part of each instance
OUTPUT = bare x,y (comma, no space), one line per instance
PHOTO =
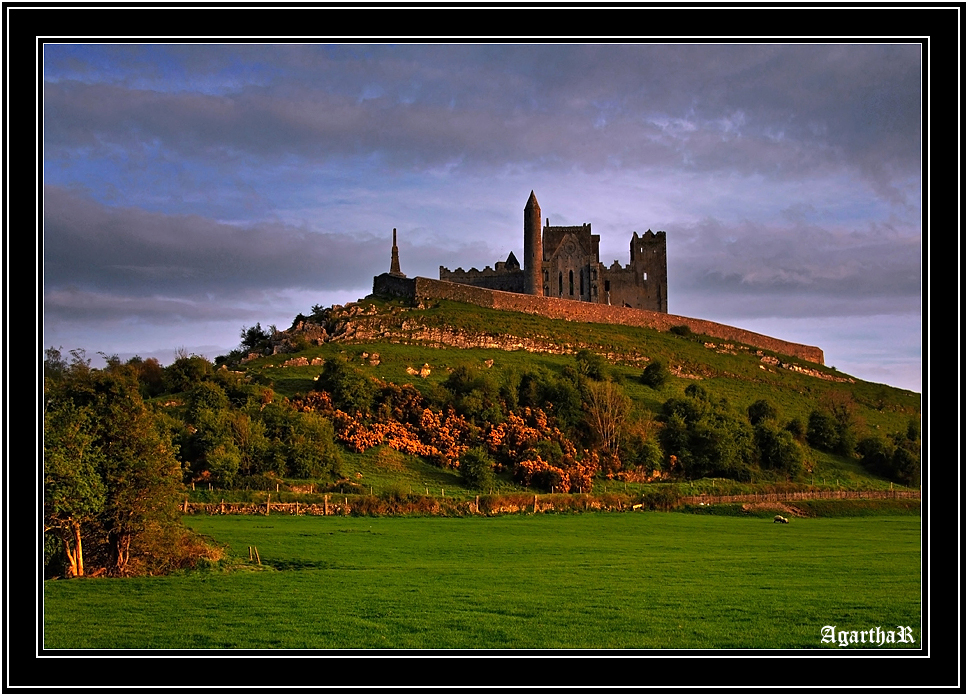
639,446
211,447
249,435
897,458
186,371
797,428
132,459
822,431
550,451
461,380
706,437
558,396
476,470
312,450
150,375
206,396
875,455
655,374
834,430
776,448
55,365
140,472
74,494
591,365
404,404
761,410
906,462
318,314
254,337
351,390
843,409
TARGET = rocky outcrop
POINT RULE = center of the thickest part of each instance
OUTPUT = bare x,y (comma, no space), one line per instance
415,289
364,323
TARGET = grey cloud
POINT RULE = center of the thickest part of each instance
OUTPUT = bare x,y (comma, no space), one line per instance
816,270
87,245
780,110
74,305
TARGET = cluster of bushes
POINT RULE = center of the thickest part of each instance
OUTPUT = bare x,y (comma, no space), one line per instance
836,428
111,477
548,430
897,457
706,438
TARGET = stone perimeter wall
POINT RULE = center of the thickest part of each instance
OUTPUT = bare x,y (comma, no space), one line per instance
571,310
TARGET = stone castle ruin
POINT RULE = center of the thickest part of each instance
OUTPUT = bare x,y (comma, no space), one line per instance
562,278
563,262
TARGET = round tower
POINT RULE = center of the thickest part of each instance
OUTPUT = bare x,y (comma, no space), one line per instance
533,255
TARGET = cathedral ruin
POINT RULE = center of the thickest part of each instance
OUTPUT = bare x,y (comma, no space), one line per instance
563,262
563,278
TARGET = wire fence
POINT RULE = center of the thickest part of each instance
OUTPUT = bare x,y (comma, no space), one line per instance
797,495
498,504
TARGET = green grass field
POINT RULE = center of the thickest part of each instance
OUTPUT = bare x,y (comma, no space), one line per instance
592,581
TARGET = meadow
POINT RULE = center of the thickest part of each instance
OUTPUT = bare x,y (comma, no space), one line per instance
644,580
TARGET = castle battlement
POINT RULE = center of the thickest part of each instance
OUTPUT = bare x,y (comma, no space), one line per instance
563,261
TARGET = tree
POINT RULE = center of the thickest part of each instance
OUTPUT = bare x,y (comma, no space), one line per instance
74,494
875,456
706,436
108,466
822,431
254,337
312,450
591,365
351,390
186,371
761,410
476,470
655,374
639,446
777,449
608,409
139,469
206,396
842,407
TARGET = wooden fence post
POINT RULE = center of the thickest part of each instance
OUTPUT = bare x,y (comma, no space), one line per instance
325,504
268,497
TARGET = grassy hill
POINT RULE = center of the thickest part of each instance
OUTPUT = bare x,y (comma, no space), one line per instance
422,346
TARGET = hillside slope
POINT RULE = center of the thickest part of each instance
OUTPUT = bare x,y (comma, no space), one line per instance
492,369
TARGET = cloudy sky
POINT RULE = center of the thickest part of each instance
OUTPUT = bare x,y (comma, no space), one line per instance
193,190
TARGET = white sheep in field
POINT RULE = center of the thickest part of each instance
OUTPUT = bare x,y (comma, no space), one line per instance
781,519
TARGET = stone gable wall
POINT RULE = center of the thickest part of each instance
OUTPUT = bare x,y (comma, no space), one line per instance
554,308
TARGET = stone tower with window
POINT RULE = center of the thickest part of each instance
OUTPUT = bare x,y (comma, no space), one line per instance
563,262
